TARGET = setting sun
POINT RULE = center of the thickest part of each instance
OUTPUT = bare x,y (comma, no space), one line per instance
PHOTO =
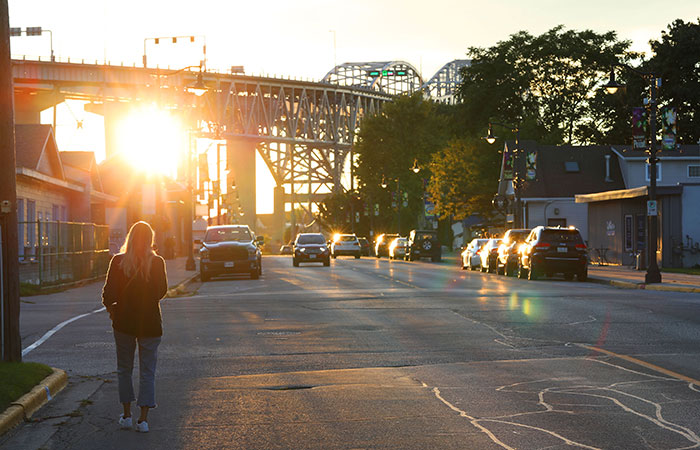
151,140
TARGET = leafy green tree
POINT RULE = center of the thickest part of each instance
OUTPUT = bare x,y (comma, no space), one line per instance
408,129
550,83
676,59
465,175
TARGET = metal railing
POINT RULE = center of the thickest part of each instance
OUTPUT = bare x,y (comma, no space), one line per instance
53,253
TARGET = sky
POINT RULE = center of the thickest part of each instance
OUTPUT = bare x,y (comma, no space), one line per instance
304,38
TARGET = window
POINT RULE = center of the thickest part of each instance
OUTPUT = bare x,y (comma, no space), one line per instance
64,213
31,226
629,234
55,212
658,171
571,167
693,171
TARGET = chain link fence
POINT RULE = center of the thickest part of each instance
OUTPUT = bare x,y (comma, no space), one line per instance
53,253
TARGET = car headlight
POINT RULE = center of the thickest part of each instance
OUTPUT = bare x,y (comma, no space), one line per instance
302,250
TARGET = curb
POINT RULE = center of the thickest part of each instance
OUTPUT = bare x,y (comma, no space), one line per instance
22,409
179,289
648,287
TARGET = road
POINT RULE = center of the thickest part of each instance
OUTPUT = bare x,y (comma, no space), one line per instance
385,354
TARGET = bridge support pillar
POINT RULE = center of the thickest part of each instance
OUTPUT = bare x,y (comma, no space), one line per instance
28,107
279,215
240,154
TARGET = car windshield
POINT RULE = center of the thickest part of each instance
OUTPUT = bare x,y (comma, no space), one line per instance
227,234
568,236
306,239
347,238
519,236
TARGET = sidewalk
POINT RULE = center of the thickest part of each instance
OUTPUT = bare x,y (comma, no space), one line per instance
627,277
178,277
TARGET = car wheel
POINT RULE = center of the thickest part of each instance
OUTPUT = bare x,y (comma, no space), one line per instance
510,269
335,256
357,256
254,275
203,275
582,275
532,273
491,268
295,263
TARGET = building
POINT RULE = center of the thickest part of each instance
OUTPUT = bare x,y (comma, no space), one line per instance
618,219
553,176
55,206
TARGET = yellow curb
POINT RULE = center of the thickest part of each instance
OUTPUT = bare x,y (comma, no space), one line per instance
29,403
10,418
661,287
179,289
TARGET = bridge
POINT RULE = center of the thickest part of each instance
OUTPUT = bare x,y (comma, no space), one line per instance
303,130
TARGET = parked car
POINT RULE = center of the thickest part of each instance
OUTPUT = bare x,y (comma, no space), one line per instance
286,249
489,255
397,248
423,244
311,247
365,246
345,244
470,255
381,244
230,249
551,250
507,260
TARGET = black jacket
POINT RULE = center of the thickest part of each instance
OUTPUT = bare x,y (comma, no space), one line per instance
136,301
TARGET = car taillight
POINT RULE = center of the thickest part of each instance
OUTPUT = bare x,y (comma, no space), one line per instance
542,245
494,250
581,246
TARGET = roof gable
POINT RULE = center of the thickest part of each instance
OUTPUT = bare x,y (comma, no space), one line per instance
36,149
86,162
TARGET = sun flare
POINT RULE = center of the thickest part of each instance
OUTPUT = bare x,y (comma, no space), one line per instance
152,140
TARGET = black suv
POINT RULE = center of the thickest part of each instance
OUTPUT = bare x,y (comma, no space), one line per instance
230,249
549,250
311,247
423,244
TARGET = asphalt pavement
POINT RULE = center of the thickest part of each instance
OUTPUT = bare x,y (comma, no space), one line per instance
383,354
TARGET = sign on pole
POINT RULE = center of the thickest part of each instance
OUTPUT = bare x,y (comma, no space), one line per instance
652,208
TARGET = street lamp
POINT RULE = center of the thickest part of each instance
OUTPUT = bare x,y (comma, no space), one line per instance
653,274
517,176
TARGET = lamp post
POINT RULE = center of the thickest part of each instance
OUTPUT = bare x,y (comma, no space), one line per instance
653,274
517,176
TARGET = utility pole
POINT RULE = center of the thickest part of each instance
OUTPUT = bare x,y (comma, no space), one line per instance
11,348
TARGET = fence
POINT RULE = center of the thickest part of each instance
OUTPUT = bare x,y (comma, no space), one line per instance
55,253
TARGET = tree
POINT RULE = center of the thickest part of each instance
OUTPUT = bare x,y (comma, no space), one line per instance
408,129
465,175
676,59
548,83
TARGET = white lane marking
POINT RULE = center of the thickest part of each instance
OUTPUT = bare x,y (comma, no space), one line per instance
55,329
592,319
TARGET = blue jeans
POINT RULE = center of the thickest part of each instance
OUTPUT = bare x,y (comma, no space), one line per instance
148,356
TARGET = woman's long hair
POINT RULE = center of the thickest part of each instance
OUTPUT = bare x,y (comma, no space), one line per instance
138,250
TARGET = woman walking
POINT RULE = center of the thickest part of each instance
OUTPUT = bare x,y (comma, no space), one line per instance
136,281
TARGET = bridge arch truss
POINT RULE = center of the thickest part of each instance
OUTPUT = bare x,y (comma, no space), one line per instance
389,77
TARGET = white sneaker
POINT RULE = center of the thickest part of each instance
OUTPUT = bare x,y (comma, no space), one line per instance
125,422
142,427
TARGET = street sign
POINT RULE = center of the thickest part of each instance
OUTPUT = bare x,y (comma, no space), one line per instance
652,208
